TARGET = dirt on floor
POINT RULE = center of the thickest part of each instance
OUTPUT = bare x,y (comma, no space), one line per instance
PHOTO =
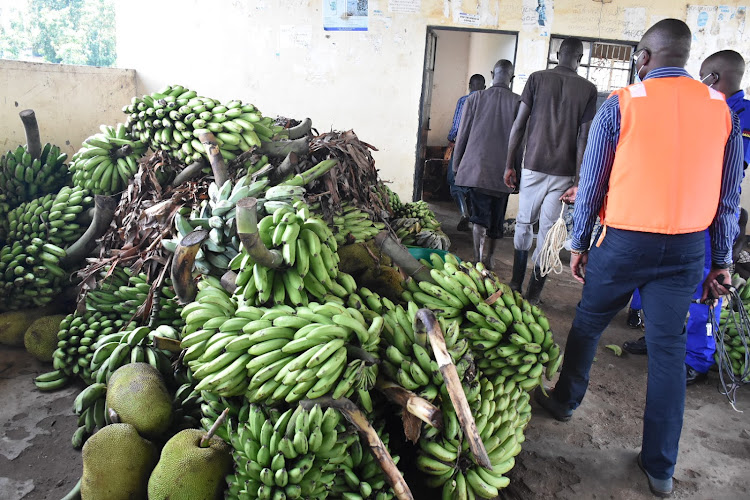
590,457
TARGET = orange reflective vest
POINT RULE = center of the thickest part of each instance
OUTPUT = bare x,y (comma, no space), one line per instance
666,177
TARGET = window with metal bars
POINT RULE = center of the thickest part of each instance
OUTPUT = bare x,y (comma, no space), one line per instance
608,65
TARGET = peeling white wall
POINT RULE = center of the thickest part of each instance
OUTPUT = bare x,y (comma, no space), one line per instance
70,102
369,81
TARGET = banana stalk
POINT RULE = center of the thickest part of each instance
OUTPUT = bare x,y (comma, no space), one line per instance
228,280
205,440
413,406
104,211
379,451
182,266
247,230
33,142
221,174
285,168
402,258
280,149
354,352
426,322
75,493
192,170
125,150
166,344
300,130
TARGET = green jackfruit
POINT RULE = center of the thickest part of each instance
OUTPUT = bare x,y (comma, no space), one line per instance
188,472
117,463
136,392
13,325
40,338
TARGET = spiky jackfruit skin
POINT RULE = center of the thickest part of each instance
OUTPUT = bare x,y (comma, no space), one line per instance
137,393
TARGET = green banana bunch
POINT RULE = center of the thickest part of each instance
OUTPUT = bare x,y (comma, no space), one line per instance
23,178
354,226
90,407
134,344
360,476
394,201
735,348
416,224
292,454
308,249
509,336
217,215
107,162
187,407
173,118
502,411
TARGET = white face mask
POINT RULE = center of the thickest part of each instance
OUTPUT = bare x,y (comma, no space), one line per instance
703,80
638,71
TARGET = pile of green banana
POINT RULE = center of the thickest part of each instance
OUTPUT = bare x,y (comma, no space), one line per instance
415,224
23,178
37,233
173,118
298,454
353,225
502,412
107,161
507,334
106,323
217,215
735,343
308,249
394,201
281,353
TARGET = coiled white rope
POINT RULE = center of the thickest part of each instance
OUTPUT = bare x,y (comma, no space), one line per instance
554,242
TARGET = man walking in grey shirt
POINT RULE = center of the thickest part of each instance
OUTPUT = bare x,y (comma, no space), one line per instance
480,155
558,106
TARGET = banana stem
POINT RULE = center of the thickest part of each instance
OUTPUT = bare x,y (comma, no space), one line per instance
354,352
402,258
181,271
104,212
300,130
33,142
75,493
189,172
379,451
280,149
214,157
247,230
426,321
166,344
205,440
285,168
228,281
414,407
124,151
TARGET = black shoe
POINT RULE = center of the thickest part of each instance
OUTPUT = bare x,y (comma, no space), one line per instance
660,487
636,346
634,318
463,224
556,409
693,377
536,284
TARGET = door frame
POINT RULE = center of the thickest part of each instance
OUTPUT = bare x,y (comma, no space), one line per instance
431,29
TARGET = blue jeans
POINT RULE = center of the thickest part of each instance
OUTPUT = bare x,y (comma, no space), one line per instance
666,269
454,190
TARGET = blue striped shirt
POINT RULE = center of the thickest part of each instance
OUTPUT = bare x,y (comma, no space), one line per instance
457,117
597,166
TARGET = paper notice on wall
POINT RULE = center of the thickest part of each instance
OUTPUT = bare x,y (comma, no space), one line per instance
468,19
634,24
715,28
404,6
345,15
295,36
537,14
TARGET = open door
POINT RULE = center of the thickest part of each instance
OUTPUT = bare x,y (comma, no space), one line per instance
424,112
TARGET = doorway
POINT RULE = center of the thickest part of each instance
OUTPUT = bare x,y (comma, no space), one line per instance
452,55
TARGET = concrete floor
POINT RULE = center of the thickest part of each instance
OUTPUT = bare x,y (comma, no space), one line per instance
592,456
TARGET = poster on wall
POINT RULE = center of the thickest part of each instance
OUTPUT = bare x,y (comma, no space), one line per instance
345,15
716,28
404,6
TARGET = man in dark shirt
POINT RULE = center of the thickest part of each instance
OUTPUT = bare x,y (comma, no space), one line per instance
558,106
476,83
479,157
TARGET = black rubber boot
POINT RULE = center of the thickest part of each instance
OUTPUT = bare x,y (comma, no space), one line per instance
520,257
488,251
536,283
463,224
479,234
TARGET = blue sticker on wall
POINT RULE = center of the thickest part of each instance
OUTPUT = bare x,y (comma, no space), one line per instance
702,19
